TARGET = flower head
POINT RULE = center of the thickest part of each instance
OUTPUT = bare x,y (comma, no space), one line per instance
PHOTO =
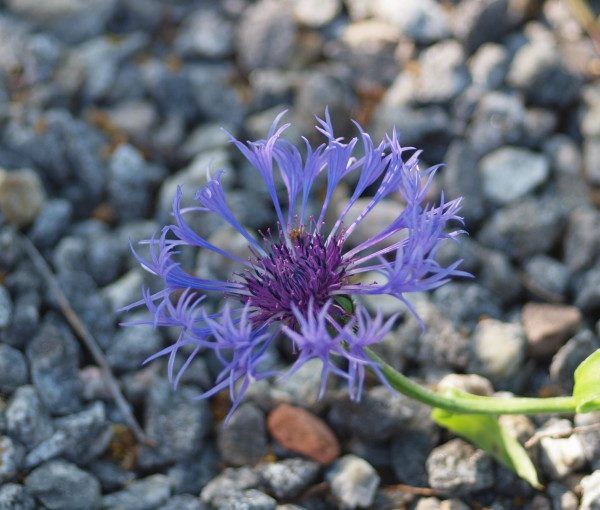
292,286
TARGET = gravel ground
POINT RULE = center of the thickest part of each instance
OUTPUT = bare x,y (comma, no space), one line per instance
107,105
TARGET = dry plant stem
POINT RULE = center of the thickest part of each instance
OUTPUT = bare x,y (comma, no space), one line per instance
586,19
538,436
87,338
473,404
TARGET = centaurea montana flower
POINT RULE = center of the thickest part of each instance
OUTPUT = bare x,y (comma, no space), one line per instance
298,286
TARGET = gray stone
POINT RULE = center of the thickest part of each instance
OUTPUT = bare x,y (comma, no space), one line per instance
11,458
560,456
540,123
149,492
409,451
213,265
26,417
478,21
112,477
457,468
15,497
316,13
230,481
288,478
206,33
243,440
591,155
125,290
21,196
48,449
537,70
183,502
525,228
87,433
131,346
499,277
423,21
498,350
510,173
582,238
498,120
461,178
128,186
54,360
61,485
564,153
380,414
353,482
468,383
443,73
546,277
191,475
590,496
266,35
135,117
569,356
177,421
587,290
467,302
561,497
51,222
250,499
489,66
440,345
13,369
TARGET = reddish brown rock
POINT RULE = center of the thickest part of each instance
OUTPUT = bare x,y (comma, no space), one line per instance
303,432
548,326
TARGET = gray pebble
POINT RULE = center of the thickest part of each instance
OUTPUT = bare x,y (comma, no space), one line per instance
230,481
287,479
13,369
112,477
461,178
6,307
243,440
475,301
569,356
26,417
547,277
250,499
443,73
183,502
560,456
15,497
266,35
489,66
206,33
48,449
457,468
316,13
192,474
353,482
498,350
177,421
587,290
590,497
149,492
409,451
21,196
510,173
380,413
526,228
11,458
499,276
476,22
51,223
132,345
60,485
54,360
423,21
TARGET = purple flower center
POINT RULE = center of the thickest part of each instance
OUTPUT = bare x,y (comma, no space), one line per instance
296,271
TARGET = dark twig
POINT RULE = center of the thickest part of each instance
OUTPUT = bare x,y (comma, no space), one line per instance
416,491
87,338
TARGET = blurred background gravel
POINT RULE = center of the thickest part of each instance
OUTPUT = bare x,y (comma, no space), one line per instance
107,105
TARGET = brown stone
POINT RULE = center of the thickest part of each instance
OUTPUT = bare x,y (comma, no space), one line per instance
302,432
548,326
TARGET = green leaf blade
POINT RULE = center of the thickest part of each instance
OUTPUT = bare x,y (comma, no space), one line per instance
587,384
486,432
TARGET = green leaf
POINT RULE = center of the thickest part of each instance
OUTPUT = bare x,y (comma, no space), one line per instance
587,384
486,432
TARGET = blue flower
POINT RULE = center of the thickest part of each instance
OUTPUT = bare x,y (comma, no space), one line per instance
292,286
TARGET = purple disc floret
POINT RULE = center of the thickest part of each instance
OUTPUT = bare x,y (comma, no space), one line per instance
290,287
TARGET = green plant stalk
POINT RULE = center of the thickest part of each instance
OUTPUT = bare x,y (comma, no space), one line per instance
466,403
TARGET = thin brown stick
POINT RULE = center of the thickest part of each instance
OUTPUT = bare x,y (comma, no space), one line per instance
87,338
417,491
538,436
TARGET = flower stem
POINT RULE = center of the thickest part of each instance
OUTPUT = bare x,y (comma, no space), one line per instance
472,404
